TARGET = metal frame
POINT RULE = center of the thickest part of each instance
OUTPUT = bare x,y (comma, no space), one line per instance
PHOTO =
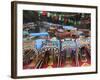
14,37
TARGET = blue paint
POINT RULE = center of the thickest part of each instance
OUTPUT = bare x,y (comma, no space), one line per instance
69,27
39,34
38,43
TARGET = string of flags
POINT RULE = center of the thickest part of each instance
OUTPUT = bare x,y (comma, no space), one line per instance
64,18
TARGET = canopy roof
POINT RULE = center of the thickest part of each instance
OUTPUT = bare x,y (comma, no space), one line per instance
39,34
69,27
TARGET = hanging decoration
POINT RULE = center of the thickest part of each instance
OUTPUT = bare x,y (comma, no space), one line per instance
48,14
59,17
44,13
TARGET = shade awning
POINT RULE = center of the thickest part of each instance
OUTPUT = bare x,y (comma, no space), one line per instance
39,34
69,27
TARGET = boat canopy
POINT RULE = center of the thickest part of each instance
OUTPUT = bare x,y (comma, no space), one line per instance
69,27
39,34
